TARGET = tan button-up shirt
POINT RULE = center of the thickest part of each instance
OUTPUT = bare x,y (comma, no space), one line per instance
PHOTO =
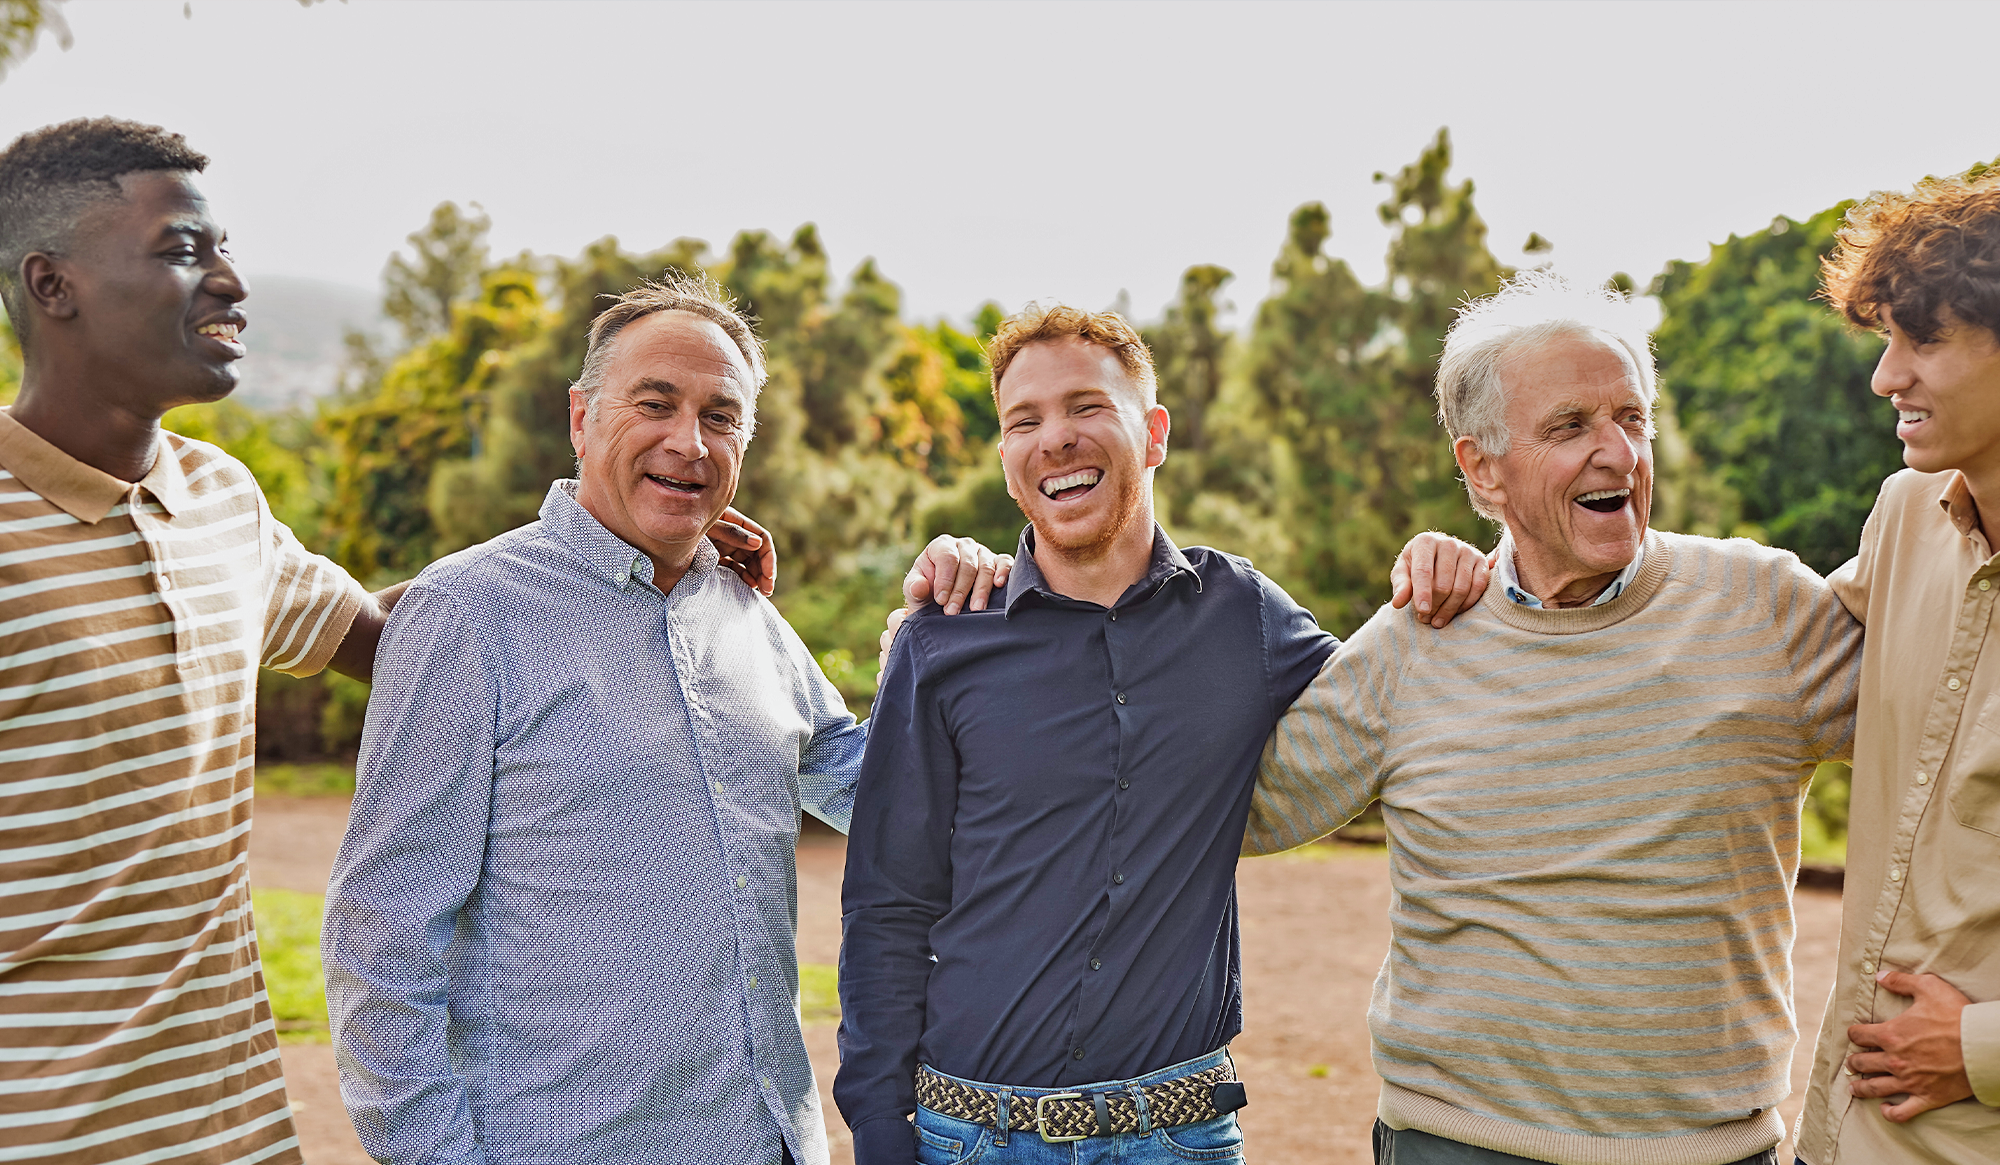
1923,847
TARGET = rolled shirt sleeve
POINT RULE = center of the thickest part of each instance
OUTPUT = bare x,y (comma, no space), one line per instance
309,602
411,857
1979,1036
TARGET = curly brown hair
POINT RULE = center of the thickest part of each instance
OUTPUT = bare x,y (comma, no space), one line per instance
1037,324
1923,254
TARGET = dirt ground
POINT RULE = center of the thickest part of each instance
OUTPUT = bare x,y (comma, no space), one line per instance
1314,932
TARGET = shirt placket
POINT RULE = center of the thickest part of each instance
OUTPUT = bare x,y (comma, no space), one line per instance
159,560
753,976
1947,708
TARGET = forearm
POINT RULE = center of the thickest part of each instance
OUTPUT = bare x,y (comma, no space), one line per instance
884,975
355,657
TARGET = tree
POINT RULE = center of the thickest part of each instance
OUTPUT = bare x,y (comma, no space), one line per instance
22,23
1771,390
419,291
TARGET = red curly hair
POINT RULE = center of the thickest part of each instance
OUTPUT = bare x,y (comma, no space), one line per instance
1042,324
1924,254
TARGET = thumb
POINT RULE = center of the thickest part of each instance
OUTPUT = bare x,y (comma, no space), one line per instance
916,588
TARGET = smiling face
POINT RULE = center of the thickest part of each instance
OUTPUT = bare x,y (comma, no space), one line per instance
155,319
1576,483
1076,441
1947,398
662,445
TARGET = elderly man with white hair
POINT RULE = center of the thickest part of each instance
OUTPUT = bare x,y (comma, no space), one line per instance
1591,781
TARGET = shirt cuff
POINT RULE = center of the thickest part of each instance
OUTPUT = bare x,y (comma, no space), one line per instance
886,1140
1979,1037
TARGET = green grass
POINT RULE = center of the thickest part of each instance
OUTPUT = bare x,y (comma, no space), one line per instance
318,780
819,993
288,942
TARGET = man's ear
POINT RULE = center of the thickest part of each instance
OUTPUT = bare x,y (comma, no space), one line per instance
1482,472
1158,425
49,288
579,408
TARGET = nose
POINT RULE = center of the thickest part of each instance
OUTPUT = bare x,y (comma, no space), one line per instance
223,281
682,436
1895,371
1617,449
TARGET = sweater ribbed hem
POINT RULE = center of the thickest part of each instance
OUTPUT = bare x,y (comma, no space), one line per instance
1721,1144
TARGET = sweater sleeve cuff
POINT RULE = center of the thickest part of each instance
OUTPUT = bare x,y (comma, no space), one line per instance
1979,1035
885,1140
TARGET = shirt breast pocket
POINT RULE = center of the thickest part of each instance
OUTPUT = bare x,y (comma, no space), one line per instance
1975,779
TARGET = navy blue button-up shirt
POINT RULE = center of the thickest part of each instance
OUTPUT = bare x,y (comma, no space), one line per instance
1041,877
561,924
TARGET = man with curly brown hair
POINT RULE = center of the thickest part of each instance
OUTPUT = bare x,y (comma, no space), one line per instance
1914,1022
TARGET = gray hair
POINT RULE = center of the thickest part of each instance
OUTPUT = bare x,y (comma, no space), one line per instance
1529,309
675,291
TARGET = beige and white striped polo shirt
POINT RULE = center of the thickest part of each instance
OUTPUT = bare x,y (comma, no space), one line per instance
133,1021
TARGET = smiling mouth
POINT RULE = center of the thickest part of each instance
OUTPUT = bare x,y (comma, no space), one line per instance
675,484
1071,485
1912,416
225,332
1605,501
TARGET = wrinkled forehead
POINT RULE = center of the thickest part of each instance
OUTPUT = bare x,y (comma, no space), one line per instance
684,350
1572,371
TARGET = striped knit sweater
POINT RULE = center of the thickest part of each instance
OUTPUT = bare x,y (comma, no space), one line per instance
1593,829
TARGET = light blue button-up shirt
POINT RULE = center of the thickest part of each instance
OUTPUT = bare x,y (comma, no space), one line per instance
1509,578
561,926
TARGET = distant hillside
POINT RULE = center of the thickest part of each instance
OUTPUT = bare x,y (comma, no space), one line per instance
294,337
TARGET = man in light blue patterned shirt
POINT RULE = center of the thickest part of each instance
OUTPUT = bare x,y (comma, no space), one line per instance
560,928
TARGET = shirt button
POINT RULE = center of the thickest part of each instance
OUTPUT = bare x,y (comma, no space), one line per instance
1923,778
1114,614
1119,878
741,881
717,786
167,584
1124,783
1867,968
1985,584
753,981
1895,875
767,1082
1121,695
1076,1055
623,578
1951,683
1096,966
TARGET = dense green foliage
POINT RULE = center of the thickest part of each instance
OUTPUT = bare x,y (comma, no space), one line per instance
1306,440
288,928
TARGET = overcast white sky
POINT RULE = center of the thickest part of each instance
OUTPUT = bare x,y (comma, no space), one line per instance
1021,150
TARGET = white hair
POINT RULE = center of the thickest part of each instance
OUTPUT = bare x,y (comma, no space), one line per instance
1529,309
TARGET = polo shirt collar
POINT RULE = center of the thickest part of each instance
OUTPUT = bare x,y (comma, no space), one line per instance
86,492
606,554
1167,562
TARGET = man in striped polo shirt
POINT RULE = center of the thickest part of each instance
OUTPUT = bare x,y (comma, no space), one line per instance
143,581
1591,781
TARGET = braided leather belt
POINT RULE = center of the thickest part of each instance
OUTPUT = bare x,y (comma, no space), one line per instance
1072,1116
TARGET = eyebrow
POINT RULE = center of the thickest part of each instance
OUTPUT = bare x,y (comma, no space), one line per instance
665,387
1069,397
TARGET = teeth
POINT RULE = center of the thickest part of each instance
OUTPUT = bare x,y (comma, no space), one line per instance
1912,415
674,480
1600,495
1056,485
219,331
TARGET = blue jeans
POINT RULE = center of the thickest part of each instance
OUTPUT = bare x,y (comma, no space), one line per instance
1410,1147
942,1140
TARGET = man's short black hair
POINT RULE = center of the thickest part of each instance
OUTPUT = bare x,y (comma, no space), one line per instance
50,176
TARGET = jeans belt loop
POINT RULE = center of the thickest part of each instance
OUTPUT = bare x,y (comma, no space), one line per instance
1002,1117
1139,1102
1103,1106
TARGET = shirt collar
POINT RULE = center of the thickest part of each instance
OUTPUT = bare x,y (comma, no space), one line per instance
85,492
1509,579
1167,562
606,554
1957,504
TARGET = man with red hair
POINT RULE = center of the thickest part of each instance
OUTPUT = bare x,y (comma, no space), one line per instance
1914,1022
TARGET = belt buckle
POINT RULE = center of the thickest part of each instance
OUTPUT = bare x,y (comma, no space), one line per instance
1043,1100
